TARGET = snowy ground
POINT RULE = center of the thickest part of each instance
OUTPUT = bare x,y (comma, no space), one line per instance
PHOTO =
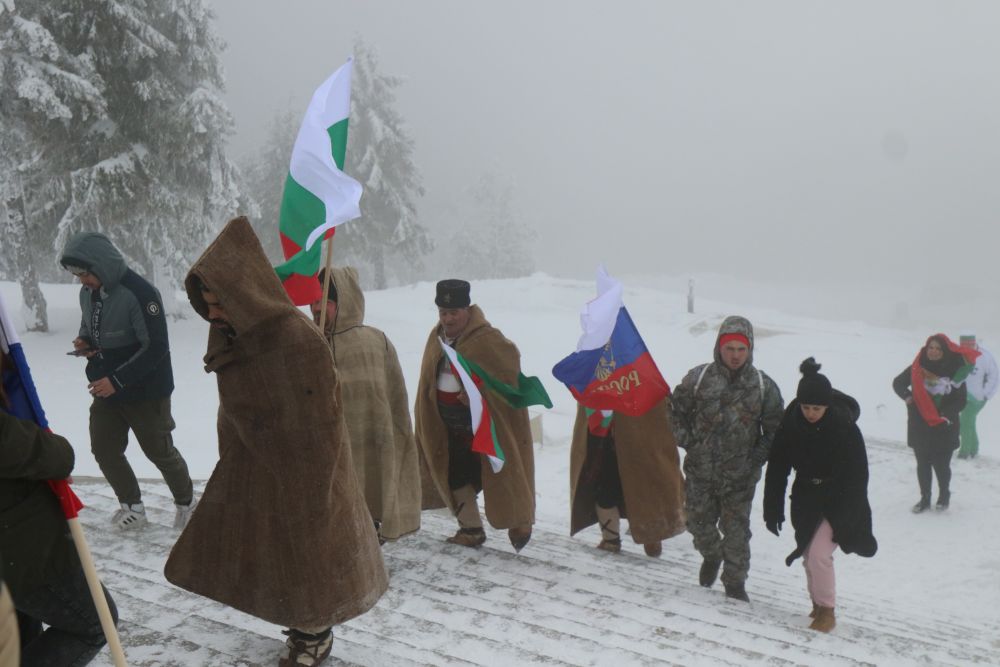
931,596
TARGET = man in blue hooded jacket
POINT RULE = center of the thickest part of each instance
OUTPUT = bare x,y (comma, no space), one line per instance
123,335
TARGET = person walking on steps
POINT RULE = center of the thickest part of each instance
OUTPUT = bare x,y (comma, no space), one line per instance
819,439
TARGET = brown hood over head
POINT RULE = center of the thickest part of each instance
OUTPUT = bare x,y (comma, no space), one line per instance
236,270
350,298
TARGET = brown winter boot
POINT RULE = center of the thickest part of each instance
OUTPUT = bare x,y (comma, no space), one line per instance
824,621
468,537
610,522
812,614
653,549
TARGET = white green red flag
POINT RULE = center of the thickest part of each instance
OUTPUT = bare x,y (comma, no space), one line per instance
484,432
318,194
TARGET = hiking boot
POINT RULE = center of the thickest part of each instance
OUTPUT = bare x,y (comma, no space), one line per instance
943,500
519,537
183,514
378,532
306,649
129,517
824,621
812,614
653,549
614,546
709,572
737,592
922,505
468,537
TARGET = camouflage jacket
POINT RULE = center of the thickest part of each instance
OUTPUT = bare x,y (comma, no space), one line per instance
726,420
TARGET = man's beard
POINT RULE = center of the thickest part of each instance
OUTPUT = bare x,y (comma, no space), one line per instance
224,326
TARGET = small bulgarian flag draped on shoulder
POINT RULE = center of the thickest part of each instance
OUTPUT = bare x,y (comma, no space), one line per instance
318,194
529,391
24,402
921,397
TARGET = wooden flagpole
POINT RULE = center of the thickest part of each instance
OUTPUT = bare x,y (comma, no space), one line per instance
96,592
326,285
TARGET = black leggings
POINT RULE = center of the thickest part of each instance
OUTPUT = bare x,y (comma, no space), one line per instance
938,460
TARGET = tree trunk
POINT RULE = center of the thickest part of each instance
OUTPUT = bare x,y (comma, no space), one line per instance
33,308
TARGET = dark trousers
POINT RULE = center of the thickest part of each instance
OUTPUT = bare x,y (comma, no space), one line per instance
938,460
150,421
73,636
464,466
601,470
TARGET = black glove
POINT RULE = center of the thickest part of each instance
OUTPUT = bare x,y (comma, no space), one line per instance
774,526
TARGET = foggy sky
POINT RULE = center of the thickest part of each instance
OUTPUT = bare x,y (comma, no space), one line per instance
799,141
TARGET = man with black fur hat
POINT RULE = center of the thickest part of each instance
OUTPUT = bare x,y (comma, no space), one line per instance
444,425
376,408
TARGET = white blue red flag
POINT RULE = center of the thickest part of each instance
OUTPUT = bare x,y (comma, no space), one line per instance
24,403
612,368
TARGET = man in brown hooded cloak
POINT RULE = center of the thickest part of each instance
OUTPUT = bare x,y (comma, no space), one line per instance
626,467
376,408
444,426
282,531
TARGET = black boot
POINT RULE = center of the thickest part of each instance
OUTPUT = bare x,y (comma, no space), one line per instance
709,572
923,504
737,592
944,498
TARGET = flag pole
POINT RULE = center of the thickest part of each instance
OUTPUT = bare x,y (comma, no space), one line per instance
97,592
326,285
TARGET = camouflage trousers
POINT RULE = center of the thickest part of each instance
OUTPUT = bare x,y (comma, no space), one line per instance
719,520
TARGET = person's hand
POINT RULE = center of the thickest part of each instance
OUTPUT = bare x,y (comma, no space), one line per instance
908,400
101,388
774,526
81,344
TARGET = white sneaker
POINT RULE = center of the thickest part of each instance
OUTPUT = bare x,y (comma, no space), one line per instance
183,514
129,517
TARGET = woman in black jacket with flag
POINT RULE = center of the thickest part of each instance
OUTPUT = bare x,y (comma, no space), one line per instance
820,439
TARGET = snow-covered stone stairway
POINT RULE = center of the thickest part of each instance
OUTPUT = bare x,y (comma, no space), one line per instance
559,602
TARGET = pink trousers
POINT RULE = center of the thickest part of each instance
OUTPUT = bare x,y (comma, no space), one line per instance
818,561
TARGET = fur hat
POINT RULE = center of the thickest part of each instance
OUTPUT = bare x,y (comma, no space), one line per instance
814,388
453,293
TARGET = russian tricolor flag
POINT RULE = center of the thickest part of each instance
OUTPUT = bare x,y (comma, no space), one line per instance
611,369
24,402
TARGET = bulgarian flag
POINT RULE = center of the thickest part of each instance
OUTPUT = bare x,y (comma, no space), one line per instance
318,194
921,397
529,391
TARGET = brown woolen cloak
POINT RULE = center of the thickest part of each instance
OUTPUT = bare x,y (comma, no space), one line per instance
509,495
281,531
649,468
377,412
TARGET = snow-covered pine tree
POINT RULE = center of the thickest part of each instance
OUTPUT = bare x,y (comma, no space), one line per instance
265,172
154,176
380,157
47,96
492,242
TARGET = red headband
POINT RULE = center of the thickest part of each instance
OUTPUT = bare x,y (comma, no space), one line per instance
730,337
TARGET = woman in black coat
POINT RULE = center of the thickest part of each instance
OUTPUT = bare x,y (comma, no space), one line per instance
933,387
819,438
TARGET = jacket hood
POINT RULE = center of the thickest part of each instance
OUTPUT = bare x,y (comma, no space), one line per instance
843,403
734,324
235,269
95,253
350,298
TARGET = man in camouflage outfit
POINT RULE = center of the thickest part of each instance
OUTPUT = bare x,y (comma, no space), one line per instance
725,416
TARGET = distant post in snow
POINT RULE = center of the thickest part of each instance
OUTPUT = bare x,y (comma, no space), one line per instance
691,295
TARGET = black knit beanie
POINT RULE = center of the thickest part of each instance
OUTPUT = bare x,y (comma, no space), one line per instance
814,388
